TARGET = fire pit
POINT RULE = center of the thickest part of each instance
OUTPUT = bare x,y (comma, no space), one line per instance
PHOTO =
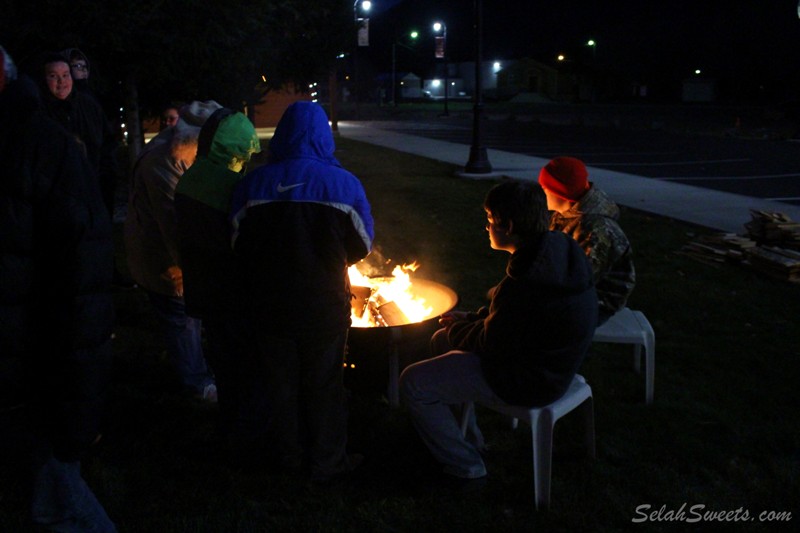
392,315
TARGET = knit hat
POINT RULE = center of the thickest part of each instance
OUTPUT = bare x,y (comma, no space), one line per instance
192,118
566,177
196,113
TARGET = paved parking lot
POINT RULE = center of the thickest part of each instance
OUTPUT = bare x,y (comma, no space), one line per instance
723,159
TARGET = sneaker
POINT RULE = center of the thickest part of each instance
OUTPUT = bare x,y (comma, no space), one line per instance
210,393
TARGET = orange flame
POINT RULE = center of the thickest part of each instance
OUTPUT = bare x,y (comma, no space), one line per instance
385,290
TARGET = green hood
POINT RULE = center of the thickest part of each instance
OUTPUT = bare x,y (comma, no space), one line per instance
210,179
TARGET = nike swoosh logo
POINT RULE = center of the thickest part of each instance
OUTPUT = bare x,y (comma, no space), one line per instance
282,188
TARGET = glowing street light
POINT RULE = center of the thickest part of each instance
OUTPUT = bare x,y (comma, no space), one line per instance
593,45
366,5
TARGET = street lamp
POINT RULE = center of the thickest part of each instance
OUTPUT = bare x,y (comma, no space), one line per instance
366,5
362,37
413,36
593,45
478,162
441,52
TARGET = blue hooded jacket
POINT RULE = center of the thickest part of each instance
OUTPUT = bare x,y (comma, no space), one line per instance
299,222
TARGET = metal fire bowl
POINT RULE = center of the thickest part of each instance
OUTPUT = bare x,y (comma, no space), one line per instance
369,347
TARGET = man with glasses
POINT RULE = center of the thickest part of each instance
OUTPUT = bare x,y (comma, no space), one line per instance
78,67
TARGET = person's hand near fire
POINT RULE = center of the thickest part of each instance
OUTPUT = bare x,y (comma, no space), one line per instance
174,275
449,318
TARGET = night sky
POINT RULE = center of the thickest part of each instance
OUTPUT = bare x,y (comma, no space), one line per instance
755,42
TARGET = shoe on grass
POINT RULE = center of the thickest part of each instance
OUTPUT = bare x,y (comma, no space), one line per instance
209,393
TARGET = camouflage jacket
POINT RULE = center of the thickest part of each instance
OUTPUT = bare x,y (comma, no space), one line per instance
592,222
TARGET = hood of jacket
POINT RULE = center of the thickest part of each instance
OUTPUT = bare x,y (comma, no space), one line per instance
73,53
234,142
211,178
303,132
554,261
594,202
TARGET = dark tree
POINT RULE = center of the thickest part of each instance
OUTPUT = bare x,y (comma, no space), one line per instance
145,54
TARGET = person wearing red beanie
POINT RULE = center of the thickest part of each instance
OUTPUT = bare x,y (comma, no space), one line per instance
586,213
565,177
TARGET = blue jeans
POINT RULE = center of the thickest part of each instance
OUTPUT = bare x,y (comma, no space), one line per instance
432,391
63,502
183,337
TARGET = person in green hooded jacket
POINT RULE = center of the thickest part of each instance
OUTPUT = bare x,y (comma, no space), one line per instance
213,290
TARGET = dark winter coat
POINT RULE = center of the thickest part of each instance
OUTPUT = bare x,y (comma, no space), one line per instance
299,222
83,116
539,324
56,257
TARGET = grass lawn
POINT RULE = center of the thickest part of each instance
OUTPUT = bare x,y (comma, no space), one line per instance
723,432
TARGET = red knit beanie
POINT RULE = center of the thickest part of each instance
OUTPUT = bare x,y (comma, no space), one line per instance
566,177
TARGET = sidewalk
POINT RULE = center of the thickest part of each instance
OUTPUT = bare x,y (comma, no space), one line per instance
712,209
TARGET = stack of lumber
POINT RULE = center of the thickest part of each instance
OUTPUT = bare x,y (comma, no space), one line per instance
718,248
781,263
775,229
771,246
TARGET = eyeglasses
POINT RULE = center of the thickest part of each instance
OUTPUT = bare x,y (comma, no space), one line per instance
80,66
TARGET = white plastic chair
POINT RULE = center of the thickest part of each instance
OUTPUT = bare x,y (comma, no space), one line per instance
542,421
632,327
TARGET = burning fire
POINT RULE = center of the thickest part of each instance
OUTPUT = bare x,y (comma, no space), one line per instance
386,301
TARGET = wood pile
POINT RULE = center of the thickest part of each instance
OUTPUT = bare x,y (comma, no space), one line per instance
781,263
771,246
774,229
718,248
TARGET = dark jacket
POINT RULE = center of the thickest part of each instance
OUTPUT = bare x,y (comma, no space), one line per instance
83,116
56,257
299,222
151,231
211,283
539,324
592,222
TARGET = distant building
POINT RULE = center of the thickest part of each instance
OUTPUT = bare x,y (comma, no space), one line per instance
410,86
698,90
268,113
265,114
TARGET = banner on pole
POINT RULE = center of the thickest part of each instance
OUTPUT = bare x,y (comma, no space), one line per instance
439,47
363,32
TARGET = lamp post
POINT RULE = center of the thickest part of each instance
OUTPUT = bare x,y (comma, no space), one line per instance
366,5
413,35
442,27
362,36
591,43
478,162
